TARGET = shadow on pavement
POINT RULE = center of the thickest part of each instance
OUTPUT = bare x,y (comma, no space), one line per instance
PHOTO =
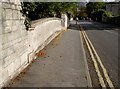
73,27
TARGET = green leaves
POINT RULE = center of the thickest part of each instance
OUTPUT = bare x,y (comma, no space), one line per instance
94,6
38,10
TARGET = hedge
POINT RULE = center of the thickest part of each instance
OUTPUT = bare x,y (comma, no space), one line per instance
108,18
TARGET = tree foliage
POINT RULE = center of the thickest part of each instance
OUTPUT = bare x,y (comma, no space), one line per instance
94,6
97,15
82,12
38,10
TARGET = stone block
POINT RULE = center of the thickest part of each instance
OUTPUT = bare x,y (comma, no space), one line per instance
17,2
24,33
6,5
1,64
5,74
7,30
15,14
14,27
16,34
22,21
19,7
8,14
16,41
3,14
8,60
2,56
10,69
17,46
13,6
1,27
17,63
6,38
1,77
8,23
0,45
12,43
19,51
6,45
12,54
19,15
24,58
5,53
12,1
16,23
5,1
22,17
11,50
0,51
0,10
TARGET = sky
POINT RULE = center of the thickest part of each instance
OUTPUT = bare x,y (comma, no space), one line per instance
65,0
101,0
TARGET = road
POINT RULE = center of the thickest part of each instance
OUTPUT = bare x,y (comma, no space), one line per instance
104,38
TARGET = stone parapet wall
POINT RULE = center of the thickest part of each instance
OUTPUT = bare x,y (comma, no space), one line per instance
17,45
42,31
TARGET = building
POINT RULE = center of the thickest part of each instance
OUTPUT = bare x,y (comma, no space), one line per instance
113,8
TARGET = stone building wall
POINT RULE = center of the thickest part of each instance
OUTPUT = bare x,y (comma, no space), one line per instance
113,8
13,40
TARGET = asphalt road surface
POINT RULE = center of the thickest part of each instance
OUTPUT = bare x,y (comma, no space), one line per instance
104,38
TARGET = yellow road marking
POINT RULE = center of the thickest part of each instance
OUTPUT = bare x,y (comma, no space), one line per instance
86,65
101,64
95,63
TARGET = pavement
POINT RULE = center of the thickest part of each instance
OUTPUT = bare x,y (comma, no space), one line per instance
63,64
104,38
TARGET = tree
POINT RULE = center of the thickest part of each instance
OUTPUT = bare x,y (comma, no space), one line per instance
94,6
82,12
97,15
46,9
38,10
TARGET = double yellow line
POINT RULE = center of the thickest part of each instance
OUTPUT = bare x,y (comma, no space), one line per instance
96,59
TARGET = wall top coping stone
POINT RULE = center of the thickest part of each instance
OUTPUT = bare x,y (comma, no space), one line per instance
16,2
39,21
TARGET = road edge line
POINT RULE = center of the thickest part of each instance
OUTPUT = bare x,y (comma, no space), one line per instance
89,81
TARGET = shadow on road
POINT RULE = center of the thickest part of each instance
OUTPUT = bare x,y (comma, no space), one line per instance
74,27
91,25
